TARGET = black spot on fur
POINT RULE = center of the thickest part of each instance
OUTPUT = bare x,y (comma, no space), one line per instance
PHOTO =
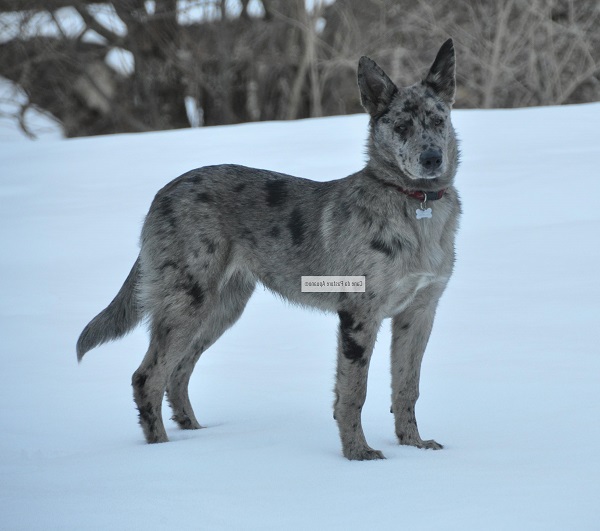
366,217
197,294
347,321
166,211
169,263
405,326
165,206
139,379
275,231
410,107
239,187
387,248
439,107
350,348
344,211
192,288
211,246
276,192
296,226
247,235
203,197
147,416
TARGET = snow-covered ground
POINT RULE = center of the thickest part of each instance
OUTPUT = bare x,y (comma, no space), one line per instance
510,382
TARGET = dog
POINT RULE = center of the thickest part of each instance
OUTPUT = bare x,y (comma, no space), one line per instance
213,233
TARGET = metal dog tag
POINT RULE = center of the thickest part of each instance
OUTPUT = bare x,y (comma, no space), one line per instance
424,213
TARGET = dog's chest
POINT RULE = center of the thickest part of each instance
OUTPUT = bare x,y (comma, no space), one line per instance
405,289
427,261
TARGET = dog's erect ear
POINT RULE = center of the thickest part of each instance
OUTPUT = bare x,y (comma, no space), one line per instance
376,89
442,74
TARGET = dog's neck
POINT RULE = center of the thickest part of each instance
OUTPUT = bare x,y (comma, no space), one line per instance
420,195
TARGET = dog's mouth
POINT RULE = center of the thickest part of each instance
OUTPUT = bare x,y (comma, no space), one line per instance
427,182
425,176
428,166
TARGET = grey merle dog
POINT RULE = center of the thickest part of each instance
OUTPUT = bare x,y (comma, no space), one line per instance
213,233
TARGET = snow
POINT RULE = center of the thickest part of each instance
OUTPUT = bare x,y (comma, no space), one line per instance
510,380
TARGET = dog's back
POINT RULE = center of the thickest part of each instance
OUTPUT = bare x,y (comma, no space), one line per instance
274,228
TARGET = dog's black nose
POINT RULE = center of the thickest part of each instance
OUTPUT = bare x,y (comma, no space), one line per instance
431,159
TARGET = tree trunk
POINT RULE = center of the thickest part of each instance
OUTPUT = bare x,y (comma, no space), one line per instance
158,97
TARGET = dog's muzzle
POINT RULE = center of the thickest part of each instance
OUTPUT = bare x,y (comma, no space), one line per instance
431,161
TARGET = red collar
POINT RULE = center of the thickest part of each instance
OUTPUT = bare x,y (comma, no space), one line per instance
416,194
421,196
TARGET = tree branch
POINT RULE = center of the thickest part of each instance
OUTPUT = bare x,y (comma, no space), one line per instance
94,25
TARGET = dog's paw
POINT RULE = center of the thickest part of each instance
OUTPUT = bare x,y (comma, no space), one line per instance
157,439
417,442
363,454
430,445
186,423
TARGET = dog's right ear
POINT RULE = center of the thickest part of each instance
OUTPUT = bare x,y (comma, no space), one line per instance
442,75
376,89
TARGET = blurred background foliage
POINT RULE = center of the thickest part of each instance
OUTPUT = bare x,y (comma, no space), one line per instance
135,65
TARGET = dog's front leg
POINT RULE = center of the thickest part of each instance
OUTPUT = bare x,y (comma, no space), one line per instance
355,345
410,334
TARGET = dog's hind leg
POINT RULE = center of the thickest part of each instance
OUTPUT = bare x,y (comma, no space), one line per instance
226,311
169,343
355,345
177,389
410,333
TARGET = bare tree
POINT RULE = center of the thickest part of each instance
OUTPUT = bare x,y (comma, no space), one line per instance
280,60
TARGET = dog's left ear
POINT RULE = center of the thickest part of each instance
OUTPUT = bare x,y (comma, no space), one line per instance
442,74
376,89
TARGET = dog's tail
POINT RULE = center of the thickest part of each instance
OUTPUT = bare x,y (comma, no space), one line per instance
118,318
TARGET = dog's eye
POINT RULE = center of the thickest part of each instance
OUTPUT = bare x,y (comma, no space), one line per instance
437,121
401,128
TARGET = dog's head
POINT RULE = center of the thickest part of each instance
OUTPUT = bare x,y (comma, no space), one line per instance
412,141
